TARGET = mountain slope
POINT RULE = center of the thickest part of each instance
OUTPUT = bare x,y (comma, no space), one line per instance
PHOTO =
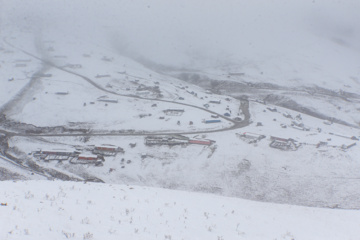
69,210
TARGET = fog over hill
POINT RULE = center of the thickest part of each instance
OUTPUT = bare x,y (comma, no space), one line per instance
203,33
257,101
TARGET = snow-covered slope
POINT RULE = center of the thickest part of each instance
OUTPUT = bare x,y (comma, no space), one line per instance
292,44
69,210
74,77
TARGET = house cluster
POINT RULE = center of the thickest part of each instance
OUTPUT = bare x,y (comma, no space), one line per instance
276,142
95,155
297,124
175,140
343,147
286,144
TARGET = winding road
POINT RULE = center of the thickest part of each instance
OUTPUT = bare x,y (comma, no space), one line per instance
46,66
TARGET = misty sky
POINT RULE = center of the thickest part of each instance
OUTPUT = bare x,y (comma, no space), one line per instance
188,31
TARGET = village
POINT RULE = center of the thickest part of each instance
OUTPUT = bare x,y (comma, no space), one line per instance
288,144
96,154
214,131
92,155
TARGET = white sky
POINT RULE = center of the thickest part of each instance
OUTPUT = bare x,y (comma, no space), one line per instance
187,31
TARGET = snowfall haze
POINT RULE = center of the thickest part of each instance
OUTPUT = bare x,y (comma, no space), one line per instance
192,119
200,33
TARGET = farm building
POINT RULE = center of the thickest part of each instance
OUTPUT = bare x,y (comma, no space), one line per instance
287,115
297,123
55,154
320,144
272,109
284,144
212,121
250,137
348,146
174,112
200,141
302,127
108,100
89,157
107,150
166,140
62,93
58,152
102,76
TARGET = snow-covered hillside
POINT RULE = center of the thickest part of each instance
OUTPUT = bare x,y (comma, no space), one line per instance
254,100
293,44
70,210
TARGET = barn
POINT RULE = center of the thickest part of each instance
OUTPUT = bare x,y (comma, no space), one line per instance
88,157
174,112
200,142
57,152
107,150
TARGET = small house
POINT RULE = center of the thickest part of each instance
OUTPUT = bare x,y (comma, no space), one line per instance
272,109
287,115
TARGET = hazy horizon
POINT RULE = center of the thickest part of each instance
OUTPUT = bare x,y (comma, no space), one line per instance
194,33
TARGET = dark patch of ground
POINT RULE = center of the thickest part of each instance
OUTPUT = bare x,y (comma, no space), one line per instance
6,174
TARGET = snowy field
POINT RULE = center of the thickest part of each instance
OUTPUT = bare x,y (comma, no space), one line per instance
325,175
16,71
280,83
70,210
113,102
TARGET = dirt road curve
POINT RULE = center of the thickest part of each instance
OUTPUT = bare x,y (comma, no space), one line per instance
47,64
